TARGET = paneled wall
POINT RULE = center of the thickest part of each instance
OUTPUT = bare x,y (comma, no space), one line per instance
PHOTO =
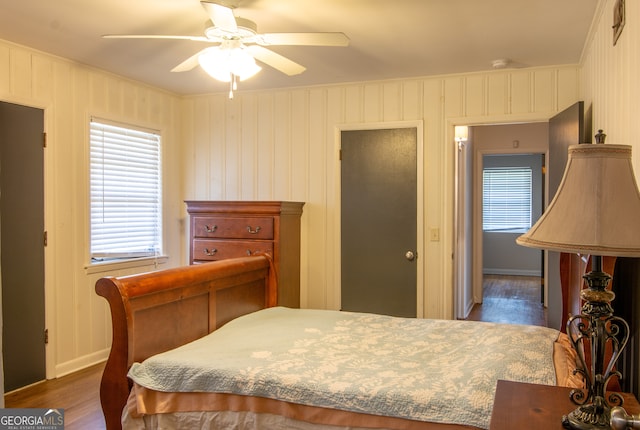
610,86
77,319
611,90
282,145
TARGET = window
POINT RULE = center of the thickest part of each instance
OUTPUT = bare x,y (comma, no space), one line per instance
506,196
126,206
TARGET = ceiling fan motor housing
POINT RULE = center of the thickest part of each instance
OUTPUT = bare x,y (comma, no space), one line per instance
246,29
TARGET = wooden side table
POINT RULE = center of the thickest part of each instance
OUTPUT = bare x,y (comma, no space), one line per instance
533,407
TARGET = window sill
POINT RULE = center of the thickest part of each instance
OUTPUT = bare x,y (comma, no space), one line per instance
111,266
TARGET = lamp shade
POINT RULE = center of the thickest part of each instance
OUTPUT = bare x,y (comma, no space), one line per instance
596,209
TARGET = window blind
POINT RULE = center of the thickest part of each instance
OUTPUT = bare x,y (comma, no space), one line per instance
125,184
506,199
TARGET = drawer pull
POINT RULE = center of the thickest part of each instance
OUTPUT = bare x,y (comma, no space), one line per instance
256,231
210,229
249,252
211,253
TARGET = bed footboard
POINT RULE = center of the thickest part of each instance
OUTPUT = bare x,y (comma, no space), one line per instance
157,311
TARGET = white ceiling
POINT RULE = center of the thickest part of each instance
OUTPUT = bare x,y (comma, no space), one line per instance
388,38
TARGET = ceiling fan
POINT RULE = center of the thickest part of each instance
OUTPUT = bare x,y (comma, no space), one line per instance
237,44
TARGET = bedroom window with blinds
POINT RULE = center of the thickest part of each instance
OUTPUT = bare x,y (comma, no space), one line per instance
506,199
126,206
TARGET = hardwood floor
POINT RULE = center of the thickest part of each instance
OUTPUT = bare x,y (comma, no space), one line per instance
508,299
511,299
77,393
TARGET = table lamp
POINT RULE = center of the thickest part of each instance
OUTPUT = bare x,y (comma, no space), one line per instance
595,211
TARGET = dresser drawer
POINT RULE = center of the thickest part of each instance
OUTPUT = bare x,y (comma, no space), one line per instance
204,249
233,227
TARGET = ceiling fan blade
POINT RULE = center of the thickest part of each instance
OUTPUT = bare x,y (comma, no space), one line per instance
188,64
221,16
157,36
275,60
308,39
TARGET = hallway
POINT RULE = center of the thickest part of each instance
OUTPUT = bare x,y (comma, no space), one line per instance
511,299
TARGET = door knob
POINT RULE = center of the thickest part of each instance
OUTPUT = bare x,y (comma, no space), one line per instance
410,255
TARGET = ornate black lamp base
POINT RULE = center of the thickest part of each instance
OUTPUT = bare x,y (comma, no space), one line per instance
586,417
594,330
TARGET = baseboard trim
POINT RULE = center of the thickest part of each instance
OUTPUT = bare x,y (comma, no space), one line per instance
81,363
511,272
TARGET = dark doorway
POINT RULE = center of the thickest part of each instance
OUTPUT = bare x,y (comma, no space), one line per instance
22,233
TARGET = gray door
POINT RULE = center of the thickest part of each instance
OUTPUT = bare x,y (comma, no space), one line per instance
378,221
565,129
22,229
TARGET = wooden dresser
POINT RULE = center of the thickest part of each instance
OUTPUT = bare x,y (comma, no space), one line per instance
228,229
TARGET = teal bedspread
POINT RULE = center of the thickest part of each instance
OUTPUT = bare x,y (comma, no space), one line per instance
430,370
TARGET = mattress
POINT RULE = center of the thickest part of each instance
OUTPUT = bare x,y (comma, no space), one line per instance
301,365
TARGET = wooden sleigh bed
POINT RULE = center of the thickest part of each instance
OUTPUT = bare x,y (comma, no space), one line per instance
161,311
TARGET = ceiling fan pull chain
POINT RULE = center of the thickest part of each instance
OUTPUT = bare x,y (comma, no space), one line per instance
233,84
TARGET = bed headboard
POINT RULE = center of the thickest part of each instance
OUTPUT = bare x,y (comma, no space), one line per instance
144,308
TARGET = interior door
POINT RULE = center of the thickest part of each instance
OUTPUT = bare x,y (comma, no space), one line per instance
565,129
22,230
378,221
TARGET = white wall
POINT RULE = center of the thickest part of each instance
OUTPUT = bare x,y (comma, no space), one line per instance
78,320
281,145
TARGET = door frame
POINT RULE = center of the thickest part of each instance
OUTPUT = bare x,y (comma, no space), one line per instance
337,281
459,263
478,234
49,179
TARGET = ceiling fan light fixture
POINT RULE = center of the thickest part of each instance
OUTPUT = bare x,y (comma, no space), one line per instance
214,63
237,45
242,64
223,63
